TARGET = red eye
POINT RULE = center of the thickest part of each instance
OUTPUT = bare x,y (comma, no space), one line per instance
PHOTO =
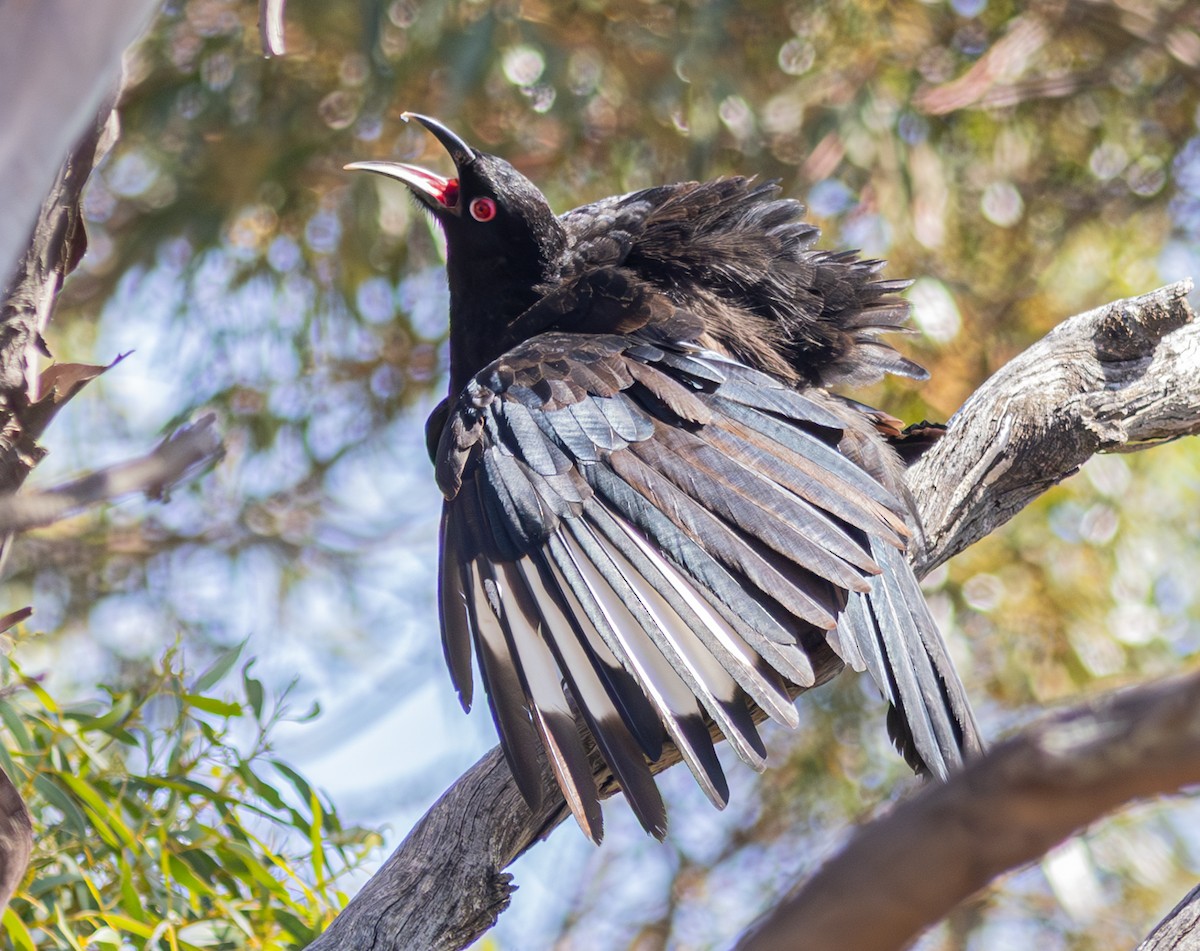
482,209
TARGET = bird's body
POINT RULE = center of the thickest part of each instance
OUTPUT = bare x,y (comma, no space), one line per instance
655,512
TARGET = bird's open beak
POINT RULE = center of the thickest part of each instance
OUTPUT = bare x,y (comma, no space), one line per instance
439,193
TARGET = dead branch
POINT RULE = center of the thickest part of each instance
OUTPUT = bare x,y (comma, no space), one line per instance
59,60
180,454
1119,378
58,63
16,838
905,871
1180,930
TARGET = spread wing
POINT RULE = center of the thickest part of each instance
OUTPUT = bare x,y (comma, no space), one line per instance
642,536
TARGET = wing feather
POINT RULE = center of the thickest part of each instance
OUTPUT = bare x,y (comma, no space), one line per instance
643,501
717,635
502,684
618,674
589,683
827,478
456,622
890,632
541,681
757,506
705,675
733,549
648,536
677,705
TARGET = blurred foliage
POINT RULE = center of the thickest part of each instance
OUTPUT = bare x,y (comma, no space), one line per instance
1022,161
162,819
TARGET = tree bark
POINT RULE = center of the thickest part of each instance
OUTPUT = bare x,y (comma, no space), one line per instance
16,838
1122,377
55,247
1180,930
179,455
907,870
64,59
59,59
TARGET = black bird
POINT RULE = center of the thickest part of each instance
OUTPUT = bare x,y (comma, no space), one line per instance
656,513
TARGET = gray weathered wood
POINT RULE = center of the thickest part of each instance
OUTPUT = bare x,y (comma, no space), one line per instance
446,885
58,61
1180,930
906,871
16,838
1119,378
55,247
1122,377
183,452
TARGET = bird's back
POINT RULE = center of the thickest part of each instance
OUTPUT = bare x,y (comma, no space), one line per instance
743,261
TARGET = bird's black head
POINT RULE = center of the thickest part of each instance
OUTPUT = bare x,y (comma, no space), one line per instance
503,243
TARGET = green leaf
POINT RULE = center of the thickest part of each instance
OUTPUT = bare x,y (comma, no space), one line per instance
184,875
300,930
105,937
219,668
131,901
7,764
16,725
39,691
15,928
298,782
315,840
66,932
107,721
47,787
247,859
105,819
151,849
125,924
262,789
254,691
313,712
184,785
223,708
213,933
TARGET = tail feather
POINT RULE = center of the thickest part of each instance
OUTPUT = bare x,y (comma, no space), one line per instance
585,676
676,705
931,721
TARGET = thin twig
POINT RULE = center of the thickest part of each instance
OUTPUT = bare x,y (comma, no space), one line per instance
182,453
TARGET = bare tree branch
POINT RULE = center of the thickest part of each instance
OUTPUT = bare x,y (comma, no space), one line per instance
58,61
478,828
1119,378
1123,376
16,838
57,244
270,27
188,448
1180,930
54,249
904,872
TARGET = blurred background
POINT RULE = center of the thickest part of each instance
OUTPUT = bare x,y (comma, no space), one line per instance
1023,162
